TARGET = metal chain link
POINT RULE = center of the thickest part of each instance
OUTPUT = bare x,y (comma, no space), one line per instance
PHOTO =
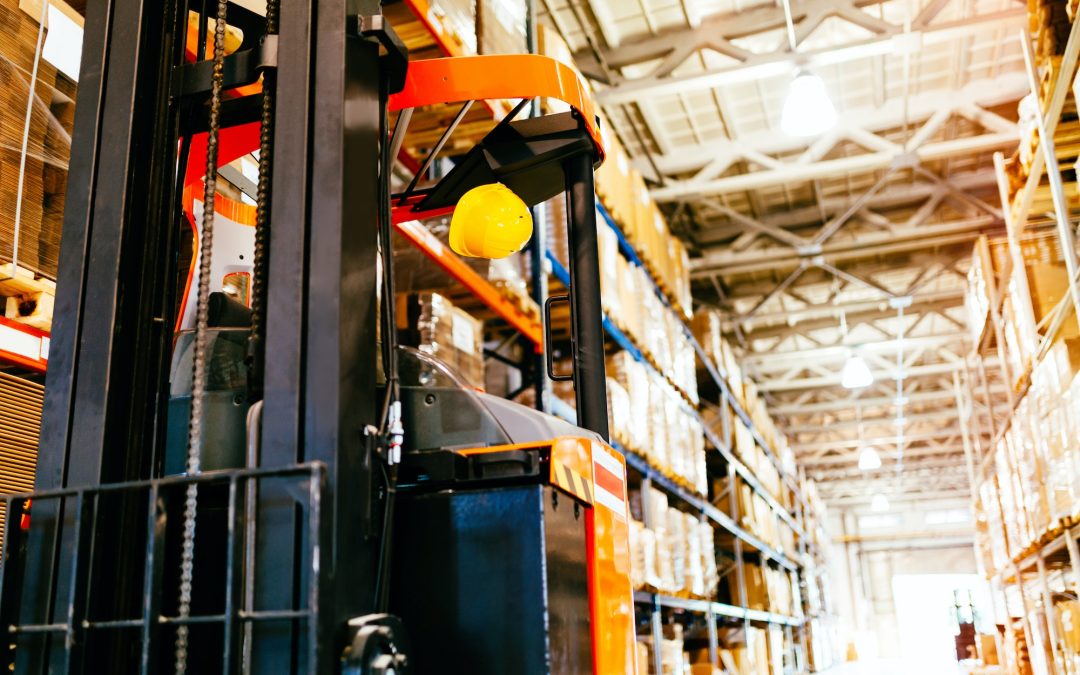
262,212
198,380
256,340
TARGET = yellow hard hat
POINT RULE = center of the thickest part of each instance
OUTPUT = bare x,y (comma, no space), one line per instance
490,221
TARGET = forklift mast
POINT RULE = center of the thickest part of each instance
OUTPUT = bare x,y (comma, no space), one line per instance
276,559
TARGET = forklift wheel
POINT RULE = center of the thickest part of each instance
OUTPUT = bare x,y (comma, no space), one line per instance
377,647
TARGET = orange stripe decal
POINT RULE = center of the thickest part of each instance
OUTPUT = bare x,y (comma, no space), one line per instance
607,480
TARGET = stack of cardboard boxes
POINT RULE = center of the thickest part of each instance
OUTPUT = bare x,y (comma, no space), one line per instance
1032,293
621,189
676,555
432,324
1049,23
648,416
1036,462
44,173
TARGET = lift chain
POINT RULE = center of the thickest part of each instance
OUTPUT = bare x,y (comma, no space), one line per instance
198,385
262,211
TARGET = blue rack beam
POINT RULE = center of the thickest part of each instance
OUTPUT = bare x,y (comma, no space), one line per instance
714,608
631,255
642,466
741,469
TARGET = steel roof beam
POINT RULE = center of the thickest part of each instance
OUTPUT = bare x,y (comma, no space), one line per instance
774,360
954,461
781,63
798,322
940,415
888,455
795,173
834,380
879,442
867,245
717,28
959,492
855,124
824,407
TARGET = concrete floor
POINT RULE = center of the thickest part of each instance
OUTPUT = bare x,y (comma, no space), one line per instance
895,668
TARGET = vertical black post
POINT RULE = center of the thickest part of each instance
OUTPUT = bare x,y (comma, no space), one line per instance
340,358
538,275
104,413
590,381
320,389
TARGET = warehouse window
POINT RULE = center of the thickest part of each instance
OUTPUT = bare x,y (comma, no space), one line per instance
947,517
879,520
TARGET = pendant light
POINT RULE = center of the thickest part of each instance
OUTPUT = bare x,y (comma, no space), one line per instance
880,503
856,373
808,110
869,459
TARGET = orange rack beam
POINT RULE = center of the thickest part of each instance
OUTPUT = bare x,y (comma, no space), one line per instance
433,248
23,345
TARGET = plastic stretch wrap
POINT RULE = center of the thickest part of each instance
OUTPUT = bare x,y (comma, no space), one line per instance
432,324
48,147
501,26
608,250
458,18
677,541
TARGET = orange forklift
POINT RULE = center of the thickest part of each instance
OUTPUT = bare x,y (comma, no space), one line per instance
241,470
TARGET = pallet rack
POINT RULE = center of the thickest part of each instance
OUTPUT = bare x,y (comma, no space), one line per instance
657,604
1023,589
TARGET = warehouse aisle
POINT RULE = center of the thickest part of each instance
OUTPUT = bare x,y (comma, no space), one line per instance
878,667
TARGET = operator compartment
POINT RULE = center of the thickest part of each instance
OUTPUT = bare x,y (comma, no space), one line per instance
527,517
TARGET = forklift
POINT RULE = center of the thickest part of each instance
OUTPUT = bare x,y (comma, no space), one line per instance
242,471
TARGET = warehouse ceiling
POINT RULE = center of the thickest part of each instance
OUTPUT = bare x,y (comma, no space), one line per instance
856,241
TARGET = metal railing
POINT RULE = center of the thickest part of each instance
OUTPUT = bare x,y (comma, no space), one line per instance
73,528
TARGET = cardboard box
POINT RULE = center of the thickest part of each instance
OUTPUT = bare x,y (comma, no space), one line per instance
500,27
1049,284
432,324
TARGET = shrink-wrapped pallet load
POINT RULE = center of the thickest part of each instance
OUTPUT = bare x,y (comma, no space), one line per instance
500,27
608,250
432,324
710,572
676,532
620,415
48,147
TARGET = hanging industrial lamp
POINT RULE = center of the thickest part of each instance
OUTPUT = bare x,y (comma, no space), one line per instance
808,110
856,373
869,459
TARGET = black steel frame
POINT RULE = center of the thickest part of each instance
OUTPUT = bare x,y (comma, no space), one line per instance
98,517
104,420
73,621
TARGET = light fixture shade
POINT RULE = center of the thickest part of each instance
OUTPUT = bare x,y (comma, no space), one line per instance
808,111
880,503
856,374
869,459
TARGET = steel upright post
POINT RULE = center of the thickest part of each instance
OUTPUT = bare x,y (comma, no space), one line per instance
590,381
1053,172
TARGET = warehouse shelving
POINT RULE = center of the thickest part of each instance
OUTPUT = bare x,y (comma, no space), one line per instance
482,289
726,397
1056,545
697,503
628,251
741,469
716,609
653,476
